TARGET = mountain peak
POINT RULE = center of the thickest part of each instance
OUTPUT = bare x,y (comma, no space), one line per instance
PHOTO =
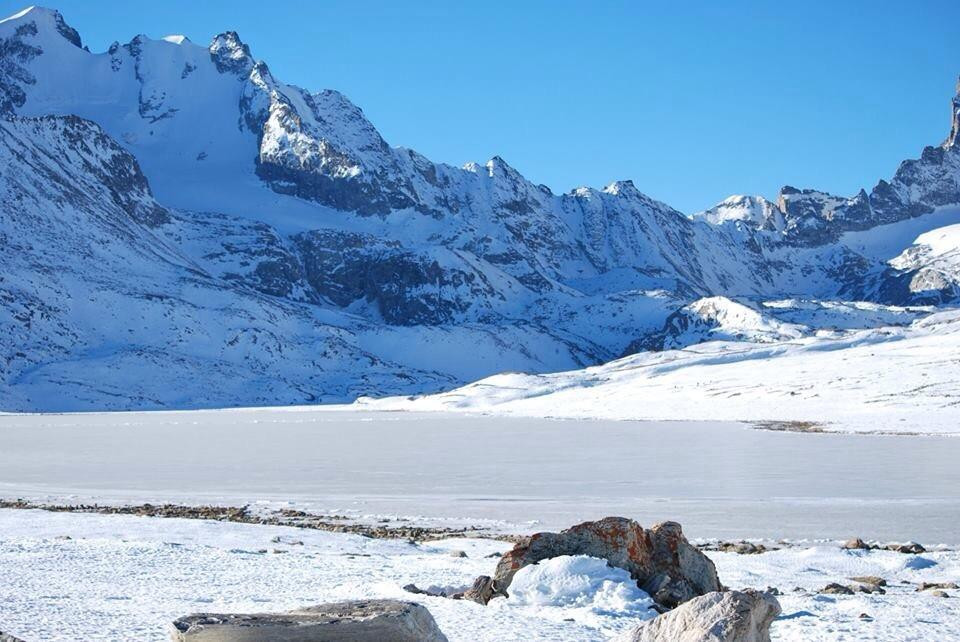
46,18
621,188
497,166
230,54
755,210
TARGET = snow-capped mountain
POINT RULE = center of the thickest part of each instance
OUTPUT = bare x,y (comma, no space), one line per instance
234,239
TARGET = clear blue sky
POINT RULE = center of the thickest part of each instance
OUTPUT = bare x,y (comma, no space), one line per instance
692,103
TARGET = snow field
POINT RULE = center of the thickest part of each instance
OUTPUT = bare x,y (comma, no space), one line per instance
124,577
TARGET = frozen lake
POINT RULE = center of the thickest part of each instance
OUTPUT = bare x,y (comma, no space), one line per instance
718,480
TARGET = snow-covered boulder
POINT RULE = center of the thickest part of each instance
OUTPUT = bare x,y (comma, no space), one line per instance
581,588
357,621
660,559
732,616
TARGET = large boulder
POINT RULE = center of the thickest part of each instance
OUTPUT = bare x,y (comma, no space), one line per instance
732,616
660,559
353,621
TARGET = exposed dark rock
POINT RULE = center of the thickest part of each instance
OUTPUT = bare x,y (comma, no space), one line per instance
789,426
741,547
926,586
283,517
416,590
65,30
909,548
482,590
836,589
230,54
406,286
14,52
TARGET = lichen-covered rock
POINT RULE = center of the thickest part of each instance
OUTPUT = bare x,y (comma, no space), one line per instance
732,616
353,621
661,559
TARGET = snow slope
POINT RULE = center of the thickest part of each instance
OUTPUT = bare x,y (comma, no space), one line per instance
887,379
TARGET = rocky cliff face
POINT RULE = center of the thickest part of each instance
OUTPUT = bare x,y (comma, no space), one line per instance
289,202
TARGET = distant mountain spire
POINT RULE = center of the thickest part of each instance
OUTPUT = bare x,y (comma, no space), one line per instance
954,138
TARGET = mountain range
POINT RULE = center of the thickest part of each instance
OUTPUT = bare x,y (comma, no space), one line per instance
181,229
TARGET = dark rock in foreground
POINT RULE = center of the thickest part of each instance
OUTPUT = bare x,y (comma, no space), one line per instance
6,637
910,548
481,591
834,588
733,616
927,586
661,559
353,621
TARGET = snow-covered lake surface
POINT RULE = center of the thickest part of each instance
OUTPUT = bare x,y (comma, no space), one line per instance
508,473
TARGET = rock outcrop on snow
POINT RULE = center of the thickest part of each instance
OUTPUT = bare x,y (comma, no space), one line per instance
660,559
730,616
356,621
718,319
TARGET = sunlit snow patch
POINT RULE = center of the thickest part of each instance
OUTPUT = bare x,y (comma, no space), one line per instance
582,588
